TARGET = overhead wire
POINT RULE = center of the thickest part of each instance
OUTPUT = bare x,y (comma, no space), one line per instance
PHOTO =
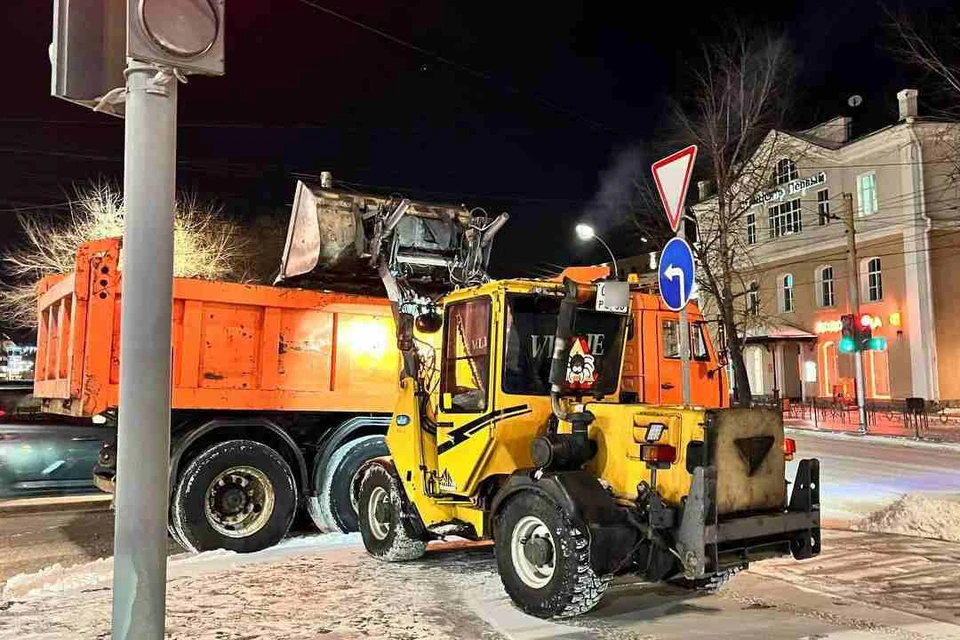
458,65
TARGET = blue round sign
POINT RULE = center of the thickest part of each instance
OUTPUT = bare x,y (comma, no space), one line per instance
676,274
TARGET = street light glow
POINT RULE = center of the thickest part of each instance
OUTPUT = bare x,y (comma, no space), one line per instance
585,232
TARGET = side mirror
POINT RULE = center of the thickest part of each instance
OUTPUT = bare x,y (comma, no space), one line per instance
722,360
429,322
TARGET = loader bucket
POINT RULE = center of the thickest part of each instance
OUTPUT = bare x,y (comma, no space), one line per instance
355,242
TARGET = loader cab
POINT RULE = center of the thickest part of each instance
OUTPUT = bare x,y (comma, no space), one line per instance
493,393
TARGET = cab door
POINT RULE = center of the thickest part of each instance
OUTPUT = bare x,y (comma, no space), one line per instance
703,389
670,388
466,411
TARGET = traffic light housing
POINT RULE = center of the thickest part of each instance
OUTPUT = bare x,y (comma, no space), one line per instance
864,331
856,334
848,333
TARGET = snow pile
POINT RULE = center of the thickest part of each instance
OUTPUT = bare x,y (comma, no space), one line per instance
57,578
916,515
60,579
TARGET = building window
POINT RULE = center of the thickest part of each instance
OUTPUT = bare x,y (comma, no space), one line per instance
753,299
751,228
867,193
785,219
786,293
829,367
878,372
786,171
825,286
871,279
823,207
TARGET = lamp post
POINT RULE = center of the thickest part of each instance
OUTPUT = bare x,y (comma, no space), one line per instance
585,232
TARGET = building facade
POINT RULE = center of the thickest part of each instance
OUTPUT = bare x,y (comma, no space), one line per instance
902,185
16,360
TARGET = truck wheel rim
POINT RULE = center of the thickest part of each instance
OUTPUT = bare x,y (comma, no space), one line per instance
239,501
528,530
378,513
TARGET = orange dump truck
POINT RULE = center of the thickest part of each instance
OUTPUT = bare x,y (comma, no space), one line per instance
279,394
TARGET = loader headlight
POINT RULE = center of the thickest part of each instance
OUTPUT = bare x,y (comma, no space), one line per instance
654,431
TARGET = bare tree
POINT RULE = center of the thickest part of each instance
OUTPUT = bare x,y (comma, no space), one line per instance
941,63
206,246
737,103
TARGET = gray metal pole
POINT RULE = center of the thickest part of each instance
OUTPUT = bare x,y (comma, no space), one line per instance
684,336
143,440
854,285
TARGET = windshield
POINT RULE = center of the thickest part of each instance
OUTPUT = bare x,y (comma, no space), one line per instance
531,327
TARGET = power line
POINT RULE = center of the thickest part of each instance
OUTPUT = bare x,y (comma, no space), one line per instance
458,65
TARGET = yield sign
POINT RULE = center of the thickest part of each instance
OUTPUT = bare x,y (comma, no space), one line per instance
672,175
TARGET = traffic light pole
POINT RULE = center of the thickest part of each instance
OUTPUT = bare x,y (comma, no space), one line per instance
143,438
854,287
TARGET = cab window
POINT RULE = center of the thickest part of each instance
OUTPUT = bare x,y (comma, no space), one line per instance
466,358
670,333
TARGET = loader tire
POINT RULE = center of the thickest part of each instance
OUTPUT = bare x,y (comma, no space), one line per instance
333,509
387,532
543,557
238,495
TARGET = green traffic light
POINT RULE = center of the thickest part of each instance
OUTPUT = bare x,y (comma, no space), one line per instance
847,345
877,344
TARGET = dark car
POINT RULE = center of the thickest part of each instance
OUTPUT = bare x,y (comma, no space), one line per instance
42,454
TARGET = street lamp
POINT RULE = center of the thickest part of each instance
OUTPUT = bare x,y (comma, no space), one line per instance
585,232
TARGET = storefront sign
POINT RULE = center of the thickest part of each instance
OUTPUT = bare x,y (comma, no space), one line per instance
789,189
835,326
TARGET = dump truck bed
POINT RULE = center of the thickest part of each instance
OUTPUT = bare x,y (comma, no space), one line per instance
235,346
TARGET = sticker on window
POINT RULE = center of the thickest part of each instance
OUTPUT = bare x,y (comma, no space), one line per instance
581,369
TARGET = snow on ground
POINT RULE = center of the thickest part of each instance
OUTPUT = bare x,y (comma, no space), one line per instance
323,586
916,515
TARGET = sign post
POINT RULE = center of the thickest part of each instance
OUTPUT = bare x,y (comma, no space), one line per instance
145,47
676,269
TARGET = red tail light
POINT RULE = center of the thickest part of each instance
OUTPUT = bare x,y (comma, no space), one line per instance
661,453
789,448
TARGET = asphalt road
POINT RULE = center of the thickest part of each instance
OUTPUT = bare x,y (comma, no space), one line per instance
30,541
859,475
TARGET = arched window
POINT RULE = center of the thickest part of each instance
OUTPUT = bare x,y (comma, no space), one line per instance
786,171
824,280
785,292
753,299
871,280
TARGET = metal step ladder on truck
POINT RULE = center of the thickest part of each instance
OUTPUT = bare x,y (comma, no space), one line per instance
535,449
280,394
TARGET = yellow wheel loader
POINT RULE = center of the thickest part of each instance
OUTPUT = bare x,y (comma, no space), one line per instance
509,427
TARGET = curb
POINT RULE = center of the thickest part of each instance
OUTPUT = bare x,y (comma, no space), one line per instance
27,506
874,438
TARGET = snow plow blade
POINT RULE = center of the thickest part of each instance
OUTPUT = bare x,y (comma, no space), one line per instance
356,242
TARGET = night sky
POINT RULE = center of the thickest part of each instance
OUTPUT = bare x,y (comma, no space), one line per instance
541,100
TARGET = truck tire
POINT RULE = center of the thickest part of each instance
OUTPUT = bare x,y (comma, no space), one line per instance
333,509
238,495
387,534
543,557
